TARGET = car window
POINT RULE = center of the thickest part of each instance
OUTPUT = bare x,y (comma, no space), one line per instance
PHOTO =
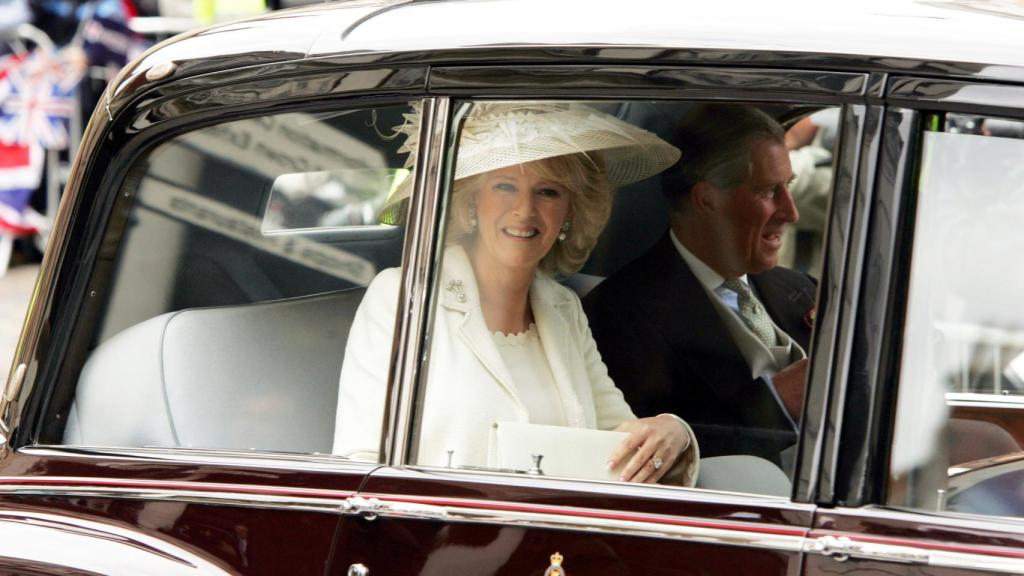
960,419
560,342
246,251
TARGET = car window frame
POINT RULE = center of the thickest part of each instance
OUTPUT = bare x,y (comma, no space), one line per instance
876,352
851,91
70,310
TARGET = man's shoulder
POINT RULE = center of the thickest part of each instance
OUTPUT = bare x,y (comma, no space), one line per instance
787,294
633,279
789,277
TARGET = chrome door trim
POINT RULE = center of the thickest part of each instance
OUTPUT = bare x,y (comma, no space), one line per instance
265,497
370,506
838,545
533,516
843,547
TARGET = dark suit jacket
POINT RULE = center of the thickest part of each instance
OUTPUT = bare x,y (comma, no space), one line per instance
668,351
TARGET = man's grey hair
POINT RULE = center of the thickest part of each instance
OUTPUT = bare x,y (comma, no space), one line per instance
715,140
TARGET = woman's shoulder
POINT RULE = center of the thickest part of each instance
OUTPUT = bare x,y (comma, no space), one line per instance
387,276
384,285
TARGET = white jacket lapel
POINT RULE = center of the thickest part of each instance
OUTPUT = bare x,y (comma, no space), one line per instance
461,297
550,316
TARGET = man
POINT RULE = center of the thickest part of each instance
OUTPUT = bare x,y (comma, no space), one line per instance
704,324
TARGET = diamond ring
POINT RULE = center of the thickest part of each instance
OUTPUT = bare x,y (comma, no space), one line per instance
657,463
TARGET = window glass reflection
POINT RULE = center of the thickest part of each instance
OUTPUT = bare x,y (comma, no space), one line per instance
960,420
247,249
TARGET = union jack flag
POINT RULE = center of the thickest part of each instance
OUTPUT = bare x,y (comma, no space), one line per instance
21,168
36,99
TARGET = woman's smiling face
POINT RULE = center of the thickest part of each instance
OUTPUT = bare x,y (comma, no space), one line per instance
519,216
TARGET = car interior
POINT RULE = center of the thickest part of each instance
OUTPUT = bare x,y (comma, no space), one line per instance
241,347
248,328
220,334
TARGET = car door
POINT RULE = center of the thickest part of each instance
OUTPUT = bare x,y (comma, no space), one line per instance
177,385
928,478
412,517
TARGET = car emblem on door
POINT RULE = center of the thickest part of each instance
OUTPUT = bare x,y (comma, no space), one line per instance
556,566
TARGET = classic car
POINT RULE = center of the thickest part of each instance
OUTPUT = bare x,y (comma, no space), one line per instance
172,402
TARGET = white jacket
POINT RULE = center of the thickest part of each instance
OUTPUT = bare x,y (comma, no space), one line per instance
468,387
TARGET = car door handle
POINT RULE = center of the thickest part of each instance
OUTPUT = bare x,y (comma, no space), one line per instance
842,548
370,508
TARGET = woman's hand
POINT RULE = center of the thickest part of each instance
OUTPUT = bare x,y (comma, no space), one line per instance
651,449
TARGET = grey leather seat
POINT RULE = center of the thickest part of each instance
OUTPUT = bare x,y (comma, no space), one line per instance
261,376
743,473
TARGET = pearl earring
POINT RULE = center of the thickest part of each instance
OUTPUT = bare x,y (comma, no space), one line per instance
565,228
472,217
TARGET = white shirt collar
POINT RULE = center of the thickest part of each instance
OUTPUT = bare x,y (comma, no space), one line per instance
707,277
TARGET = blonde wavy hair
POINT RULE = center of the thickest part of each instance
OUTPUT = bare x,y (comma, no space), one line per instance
590,206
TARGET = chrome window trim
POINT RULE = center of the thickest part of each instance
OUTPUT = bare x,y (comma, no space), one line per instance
849,229
639,81
417,271
650,490
433,256
974,399
314,462
270,84
864,357
958,96
311,231
819,438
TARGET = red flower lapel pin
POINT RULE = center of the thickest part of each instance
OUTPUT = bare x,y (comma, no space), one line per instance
811,316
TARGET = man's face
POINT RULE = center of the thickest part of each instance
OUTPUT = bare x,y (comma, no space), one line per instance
752,217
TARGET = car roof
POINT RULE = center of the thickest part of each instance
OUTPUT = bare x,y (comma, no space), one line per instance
965,37
932,30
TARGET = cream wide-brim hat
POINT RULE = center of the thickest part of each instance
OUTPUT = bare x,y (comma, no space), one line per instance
500,134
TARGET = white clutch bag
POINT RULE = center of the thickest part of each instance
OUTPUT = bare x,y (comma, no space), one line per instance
565,451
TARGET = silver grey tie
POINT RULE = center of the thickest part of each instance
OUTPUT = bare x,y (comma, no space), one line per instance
752,312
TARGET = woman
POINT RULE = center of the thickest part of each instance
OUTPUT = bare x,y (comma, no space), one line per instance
533,189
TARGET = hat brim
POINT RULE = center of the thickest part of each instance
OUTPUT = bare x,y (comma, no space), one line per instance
630,154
